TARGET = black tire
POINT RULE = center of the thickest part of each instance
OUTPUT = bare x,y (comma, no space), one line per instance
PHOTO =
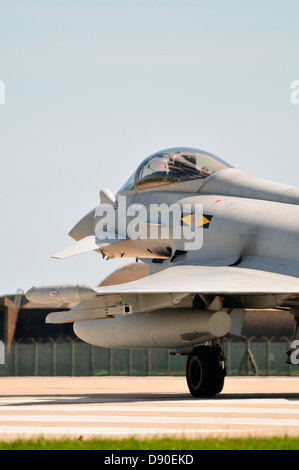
204,373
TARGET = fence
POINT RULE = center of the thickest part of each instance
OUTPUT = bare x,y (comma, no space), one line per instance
75,358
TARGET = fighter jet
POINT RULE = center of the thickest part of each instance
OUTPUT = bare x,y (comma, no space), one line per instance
217,242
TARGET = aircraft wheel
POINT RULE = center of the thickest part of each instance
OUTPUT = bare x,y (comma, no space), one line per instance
204,373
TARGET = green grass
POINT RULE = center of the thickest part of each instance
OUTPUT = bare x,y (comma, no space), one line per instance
274,443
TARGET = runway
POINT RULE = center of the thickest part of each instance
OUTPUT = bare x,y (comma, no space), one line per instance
116,407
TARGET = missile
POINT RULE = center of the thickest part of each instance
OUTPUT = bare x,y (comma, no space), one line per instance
61,294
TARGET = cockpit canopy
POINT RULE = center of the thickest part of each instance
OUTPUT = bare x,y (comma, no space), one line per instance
174,165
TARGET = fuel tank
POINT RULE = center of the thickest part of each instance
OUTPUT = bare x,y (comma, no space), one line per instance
166,329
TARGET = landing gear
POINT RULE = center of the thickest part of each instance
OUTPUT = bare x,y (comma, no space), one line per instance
205,371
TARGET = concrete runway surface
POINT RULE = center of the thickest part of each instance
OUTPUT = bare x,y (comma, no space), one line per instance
116,407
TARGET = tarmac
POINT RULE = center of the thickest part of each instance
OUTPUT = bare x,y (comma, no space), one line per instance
119,407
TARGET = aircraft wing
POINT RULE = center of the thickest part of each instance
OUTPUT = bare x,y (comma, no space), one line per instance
163,289
183,279
225,280
82,246
111,245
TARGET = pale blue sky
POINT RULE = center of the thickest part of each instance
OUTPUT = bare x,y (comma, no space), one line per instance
93,87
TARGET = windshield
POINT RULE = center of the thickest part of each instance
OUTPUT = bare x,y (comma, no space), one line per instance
174,166
177,165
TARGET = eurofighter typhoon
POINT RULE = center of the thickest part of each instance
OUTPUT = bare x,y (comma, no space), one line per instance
217,242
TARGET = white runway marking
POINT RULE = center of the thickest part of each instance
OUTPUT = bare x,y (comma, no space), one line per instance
117,409
208,419
153,409
128,419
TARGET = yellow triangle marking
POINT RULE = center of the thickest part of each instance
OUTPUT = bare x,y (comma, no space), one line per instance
202,221
187,219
